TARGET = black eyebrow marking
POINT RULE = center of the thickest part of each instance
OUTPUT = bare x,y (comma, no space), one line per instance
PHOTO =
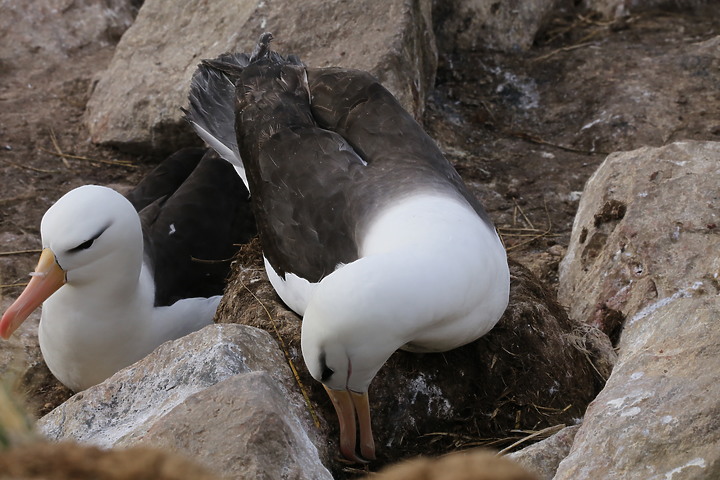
88,243
327,372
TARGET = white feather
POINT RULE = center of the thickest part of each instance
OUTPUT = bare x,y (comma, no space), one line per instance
295,291
224,151
432,276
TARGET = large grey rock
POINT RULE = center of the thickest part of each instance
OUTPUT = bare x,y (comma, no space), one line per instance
67,26
543,458
241,428
647,228
473,24
157,396
657,417
136,103
643,258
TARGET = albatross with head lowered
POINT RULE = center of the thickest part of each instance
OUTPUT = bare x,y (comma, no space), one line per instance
367,231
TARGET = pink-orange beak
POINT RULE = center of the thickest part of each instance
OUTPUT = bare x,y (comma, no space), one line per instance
347,404
46,279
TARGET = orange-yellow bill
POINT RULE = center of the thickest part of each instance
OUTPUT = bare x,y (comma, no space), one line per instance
347,404
362,407
46,279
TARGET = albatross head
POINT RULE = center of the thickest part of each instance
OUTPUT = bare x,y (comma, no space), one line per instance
345,341
330,362
90,233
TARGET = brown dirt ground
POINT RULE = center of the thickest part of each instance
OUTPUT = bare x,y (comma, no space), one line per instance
480,119
528,163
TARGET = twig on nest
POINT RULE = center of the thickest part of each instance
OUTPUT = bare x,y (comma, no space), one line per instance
305,395
544,432
578,339
523,214
446,434
118,163
60,153
11,285
210,261
529,240
544,233
579,21
531,235
553,410
510,231
582,43
29,167
357,471
534,139
590,21
20,252
524,232
562,49
465,441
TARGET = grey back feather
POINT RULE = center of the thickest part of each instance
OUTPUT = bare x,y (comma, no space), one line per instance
212,98
212,105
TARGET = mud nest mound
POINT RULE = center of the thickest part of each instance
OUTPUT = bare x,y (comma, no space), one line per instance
536,369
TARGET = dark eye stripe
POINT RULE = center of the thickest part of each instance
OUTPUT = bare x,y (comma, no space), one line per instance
83,246
88,243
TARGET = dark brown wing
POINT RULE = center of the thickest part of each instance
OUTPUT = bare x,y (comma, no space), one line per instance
193,225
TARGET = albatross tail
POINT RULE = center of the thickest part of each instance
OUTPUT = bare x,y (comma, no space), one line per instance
212,105
212,99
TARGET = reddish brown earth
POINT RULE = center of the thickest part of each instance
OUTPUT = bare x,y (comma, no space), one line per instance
512,125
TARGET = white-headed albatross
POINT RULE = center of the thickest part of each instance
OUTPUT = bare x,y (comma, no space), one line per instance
115,284
367,231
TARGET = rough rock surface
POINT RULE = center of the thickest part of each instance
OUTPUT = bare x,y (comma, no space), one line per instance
136,103
643,261
543,458
647,228
621,8
472,24
657,417
158,394
241,428
535,369
69,25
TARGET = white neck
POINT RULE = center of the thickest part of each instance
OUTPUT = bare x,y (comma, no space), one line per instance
88,333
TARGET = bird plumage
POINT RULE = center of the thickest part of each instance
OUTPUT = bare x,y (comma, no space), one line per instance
367,230
116,283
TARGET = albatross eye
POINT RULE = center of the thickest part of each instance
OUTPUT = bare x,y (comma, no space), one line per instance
88,243
83,246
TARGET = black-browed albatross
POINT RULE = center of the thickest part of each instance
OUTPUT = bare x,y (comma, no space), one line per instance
115,284
367,230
